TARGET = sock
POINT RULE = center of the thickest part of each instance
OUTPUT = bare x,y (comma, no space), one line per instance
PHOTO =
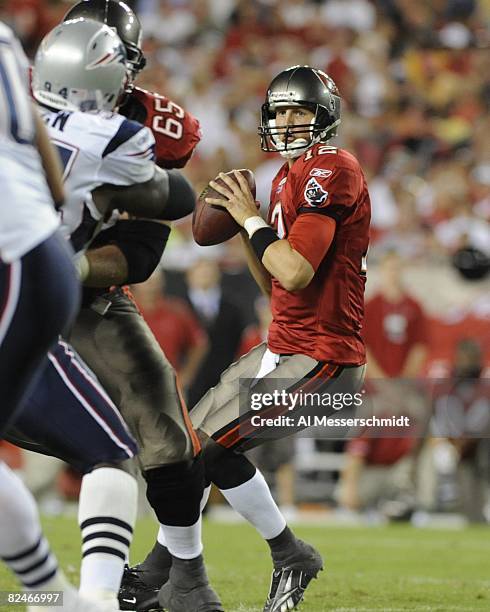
157,564
281,545
183,542
253,500
106,515
22,545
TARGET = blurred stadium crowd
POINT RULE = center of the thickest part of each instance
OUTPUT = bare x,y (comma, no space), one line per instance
415,81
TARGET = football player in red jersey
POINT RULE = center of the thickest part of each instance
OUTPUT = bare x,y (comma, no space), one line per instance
311,259
175,130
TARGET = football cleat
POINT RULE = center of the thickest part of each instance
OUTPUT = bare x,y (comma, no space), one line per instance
189,591
290,580
135,594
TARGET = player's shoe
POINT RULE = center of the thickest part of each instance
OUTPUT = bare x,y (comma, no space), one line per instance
191,594
73,601
291,576
136,593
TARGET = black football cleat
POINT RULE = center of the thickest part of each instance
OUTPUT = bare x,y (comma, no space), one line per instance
189,591
135,594
291,577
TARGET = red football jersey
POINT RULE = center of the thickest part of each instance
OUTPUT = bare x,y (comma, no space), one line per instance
324,319
175,130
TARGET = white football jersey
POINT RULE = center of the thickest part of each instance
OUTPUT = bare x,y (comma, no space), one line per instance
27,215
96,148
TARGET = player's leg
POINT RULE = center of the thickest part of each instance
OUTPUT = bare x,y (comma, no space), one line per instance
25,550
116,342
155,568
295,562
70,416
39,296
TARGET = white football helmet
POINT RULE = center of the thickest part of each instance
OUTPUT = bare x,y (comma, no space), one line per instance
80,65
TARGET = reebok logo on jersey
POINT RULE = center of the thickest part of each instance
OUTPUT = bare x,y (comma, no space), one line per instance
321,172
281,184
314,194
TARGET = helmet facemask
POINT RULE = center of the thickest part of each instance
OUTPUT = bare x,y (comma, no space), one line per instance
308,88
281,139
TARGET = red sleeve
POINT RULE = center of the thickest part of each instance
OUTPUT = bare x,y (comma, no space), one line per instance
311,236
176,131
327,185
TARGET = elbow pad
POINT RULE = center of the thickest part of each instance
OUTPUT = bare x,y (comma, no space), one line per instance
181,197
141,242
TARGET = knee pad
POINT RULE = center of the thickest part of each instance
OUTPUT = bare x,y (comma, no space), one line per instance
175,491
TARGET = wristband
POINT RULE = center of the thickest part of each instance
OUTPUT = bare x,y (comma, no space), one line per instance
252,224
262,239
82,267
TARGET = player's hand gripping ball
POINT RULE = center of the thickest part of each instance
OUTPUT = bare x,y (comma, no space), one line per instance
212,224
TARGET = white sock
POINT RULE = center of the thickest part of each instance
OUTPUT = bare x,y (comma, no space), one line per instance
161,532
22,545
253,500
183,542
106,515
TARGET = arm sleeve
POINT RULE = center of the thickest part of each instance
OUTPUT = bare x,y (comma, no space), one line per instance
176,131
311,236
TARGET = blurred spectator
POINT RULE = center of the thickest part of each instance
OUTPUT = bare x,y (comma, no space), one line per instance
222,320
29,19
462,417
257,333
380,464
395,327
174,326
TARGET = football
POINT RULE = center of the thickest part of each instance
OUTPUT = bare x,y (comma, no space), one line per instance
212,224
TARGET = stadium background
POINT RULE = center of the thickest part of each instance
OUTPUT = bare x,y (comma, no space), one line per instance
414,78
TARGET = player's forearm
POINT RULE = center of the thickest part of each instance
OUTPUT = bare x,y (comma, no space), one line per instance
167,196
415,361
373,370
106,266
261,276
50,161
291,269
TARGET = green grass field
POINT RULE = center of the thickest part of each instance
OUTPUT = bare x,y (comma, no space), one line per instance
381,568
